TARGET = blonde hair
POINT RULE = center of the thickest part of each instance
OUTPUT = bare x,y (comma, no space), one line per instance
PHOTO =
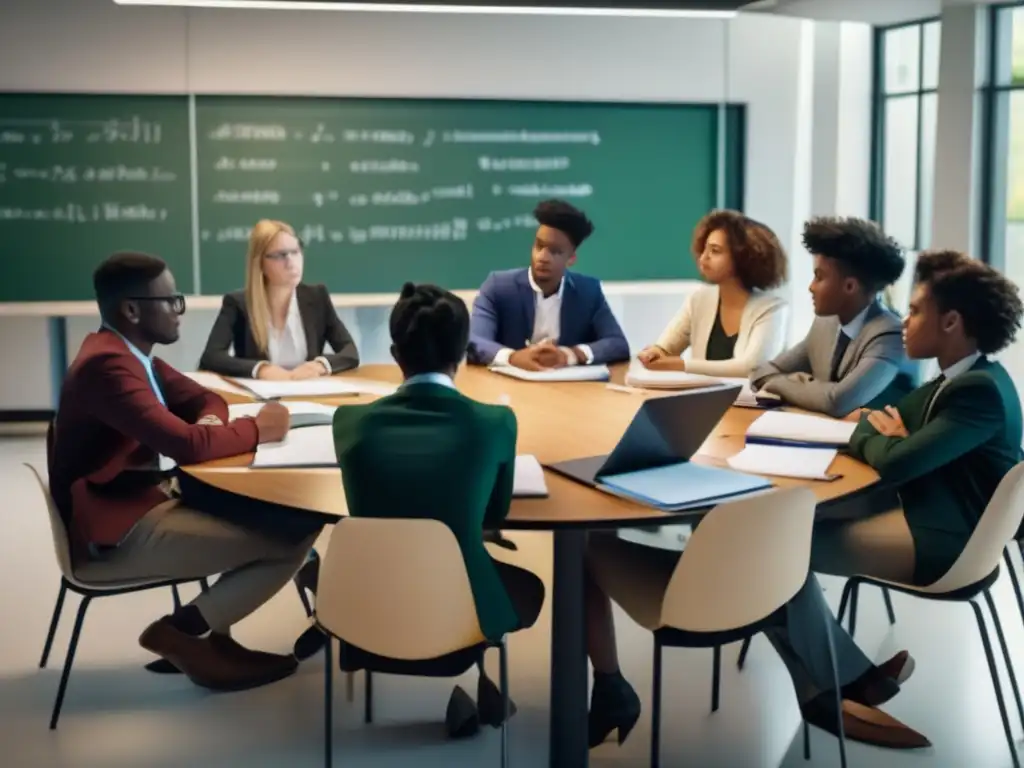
256,302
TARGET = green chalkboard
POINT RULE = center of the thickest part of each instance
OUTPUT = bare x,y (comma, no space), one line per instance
384,191
83,176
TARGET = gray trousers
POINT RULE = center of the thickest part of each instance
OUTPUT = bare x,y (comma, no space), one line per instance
175,542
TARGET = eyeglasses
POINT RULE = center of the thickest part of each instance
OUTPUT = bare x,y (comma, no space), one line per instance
176,301
284,254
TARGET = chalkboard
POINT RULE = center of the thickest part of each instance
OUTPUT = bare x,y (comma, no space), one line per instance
383,191
84,176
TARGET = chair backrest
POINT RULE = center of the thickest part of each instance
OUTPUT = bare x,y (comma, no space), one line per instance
743,562
61,544
997,527
397,588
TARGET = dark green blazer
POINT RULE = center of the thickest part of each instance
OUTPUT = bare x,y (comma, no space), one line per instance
429,452
947,470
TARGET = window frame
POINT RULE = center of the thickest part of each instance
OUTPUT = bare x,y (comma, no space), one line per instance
879,102
994,169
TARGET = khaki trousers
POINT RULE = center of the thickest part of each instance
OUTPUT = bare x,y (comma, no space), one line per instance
880,546
175,542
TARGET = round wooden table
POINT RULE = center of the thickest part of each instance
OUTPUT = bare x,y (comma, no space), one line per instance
557,421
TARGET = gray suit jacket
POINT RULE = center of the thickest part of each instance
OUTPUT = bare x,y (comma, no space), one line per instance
870,365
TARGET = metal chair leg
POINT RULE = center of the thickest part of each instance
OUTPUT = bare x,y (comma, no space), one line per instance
853,608
656,707
68,661
844,601
368,698
888,605
503,656
716,677
176,596
839,696
807,741
328,701
744,650
1014,580
48,645
994,672
1006,655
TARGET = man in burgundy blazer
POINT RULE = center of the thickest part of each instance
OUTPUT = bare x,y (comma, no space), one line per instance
120,410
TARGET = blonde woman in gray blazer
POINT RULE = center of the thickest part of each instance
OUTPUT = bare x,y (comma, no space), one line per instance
735,324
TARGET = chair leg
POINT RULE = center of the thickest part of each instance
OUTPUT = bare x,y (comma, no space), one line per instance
888,605
839,696
350,687
48,645
305,600
503,656
807,741
1014,580
716,677
1006,654
744,650
656,707
368,698
844,601
328,701
176,596
68,661
994,672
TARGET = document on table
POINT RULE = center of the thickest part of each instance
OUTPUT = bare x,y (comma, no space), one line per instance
303,414
748,398
215,382
303,447
685,485
529,479
569,373
325,386
785,461
638,376
798,429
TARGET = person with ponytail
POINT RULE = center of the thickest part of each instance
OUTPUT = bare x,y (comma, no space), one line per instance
430,451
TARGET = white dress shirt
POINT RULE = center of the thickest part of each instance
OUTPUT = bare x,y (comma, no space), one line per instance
287,347
547,324
853,328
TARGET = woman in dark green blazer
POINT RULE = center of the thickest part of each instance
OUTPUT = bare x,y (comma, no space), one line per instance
429,451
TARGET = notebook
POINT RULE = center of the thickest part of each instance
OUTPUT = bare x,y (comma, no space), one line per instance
638,376
785,461
569,373
799,429
682,486
529,478
302,414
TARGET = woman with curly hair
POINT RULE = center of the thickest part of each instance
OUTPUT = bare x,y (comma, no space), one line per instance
734,324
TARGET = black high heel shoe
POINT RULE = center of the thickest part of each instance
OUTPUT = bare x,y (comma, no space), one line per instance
614,705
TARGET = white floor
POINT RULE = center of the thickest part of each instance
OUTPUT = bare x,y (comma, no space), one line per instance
116,715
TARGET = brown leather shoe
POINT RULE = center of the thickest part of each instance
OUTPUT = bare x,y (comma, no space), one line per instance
900,667
207,665
880,683
864,724
229,646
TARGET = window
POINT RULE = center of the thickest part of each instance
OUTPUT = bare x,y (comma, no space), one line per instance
1004,166
906,100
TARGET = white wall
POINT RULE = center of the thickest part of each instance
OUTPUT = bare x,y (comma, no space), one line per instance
94,45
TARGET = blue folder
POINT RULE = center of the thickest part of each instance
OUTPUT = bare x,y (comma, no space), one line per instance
684,485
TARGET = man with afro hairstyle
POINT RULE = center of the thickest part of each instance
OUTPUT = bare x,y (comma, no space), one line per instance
853,352
947,445
544,316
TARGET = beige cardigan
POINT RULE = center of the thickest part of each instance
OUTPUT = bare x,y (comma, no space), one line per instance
761,337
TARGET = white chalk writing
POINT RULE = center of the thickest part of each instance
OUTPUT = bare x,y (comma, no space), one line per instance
248,196
522,221
486,163
393,165
550,190
454,230
522,137
74,213
245,164
411,197
379,136
133,130
71,174
248,132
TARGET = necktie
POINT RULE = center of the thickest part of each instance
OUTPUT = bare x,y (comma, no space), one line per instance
937,385
837,357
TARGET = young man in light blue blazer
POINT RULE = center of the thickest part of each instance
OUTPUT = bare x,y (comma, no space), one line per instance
544,316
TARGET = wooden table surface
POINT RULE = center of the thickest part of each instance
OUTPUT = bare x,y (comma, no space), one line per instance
557,421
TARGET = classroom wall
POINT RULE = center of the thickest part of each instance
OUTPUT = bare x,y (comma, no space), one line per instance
767,62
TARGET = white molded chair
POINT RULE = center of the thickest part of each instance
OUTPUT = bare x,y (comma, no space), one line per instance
729,586
973,574
398,588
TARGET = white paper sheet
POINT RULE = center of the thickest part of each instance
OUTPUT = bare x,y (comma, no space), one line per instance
747,398
801,428
326,386
304,447
215,382
529,478
295,407
638,376
569,373
785,461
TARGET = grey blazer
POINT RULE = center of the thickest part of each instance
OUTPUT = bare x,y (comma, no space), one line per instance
869,366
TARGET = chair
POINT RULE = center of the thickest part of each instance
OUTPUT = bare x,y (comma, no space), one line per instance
729,586
77,584
973,574
398,588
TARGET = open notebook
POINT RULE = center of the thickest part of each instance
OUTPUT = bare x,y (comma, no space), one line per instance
799,429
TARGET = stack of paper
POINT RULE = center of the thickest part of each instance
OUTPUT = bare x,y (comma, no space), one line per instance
569,373
326,386
638,376
780,428
678,487
785,461
529,478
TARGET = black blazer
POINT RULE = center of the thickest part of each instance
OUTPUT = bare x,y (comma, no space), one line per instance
319,320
